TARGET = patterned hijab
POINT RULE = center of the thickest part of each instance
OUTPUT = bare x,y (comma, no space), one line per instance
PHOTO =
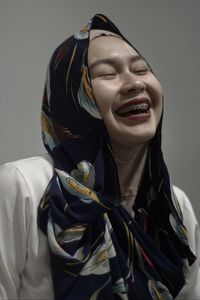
97,249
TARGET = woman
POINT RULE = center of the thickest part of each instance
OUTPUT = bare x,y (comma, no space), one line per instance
114,225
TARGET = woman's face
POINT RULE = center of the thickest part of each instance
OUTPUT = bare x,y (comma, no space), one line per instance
128,95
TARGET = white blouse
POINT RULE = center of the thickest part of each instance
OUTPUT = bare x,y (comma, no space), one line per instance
24,257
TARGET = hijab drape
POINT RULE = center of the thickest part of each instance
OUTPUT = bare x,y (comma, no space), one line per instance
97,250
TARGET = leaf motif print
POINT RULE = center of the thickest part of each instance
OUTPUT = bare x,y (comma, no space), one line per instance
176,203
84,32
49,136
84,173
98,262
57,249
119,289
158,291
72,234
74,187
179,229
108,239
86,96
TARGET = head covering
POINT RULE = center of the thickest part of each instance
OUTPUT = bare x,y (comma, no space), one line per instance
97,250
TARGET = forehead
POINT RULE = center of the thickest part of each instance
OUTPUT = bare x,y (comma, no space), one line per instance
98,32
109,46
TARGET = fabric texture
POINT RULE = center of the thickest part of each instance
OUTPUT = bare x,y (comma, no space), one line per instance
97,249
24,254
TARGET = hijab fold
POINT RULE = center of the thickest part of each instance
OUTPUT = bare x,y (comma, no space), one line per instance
97,250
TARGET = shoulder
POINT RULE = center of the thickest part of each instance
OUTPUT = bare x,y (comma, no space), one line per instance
32,168
28,177
181,196
42,163
189,219
184,202
185,205
24,249
191,290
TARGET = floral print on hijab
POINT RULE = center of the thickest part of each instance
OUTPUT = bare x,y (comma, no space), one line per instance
97,250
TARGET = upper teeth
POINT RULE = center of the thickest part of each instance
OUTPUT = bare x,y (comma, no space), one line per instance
142,106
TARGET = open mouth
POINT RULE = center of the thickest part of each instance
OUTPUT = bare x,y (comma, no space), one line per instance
134,108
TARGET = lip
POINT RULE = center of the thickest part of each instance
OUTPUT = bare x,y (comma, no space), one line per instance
134,101
135,117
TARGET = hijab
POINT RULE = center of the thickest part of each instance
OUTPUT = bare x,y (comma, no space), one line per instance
97,249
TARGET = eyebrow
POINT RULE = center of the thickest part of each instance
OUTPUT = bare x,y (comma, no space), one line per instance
111,61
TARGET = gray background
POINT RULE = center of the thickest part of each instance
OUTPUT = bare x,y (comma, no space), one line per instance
165,32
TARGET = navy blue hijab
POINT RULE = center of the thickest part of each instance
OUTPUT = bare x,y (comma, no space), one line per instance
97,250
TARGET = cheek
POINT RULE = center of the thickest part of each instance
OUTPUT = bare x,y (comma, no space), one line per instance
156,91
160,97
103,96
158,86
158,100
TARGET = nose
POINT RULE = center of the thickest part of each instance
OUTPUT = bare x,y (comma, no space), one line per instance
131,83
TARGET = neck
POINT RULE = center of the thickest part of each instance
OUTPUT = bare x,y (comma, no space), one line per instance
130,163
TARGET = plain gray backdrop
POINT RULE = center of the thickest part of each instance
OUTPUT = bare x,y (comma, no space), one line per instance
165,32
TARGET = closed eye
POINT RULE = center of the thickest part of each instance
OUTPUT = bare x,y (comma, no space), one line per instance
107,75
141,71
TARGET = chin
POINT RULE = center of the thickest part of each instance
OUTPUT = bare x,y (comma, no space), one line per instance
137,139
138,134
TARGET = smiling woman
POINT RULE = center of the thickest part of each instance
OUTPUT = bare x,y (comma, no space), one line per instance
131,102
129,99
97,217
